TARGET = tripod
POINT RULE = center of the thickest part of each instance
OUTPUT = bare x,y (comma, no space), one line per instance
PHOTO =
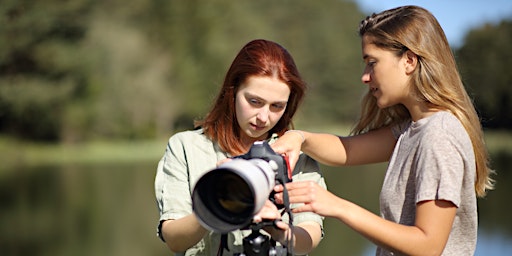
258,244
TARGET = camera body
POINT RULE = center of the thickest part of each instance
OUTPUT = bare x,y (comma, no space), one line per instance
226,198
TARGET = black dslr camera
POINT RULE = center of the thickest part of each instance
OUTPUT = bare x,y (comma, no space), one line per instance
227,197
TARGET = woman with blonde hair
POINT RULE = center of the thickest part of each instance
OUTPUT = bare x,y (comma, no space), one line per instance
417,116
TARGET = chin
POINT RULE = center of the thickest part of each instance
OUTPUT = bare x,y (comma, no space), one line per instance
383,105
260,135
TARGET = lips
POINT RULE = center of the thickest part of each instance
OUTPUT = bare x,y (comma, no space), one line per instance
257,128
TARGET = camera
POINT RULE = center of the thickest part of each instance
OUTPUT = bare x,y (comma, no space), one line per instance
226,198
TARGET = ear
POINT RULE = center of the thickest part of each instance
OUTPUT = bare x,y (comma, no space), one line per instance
411,61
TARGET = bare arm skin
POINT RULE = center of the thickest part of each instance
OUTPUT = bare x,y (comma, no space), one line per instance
306,235
183,233
372,147
427,237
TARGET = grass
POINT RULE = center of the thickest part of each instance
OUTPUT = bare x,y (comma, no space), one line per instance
16,153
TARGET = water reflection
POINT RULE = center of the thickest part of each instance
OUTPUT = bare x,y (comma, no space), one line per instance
110,210
79,210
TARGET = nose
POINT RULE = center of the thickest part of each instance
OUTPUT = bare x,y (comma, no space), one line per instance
263,114
365,78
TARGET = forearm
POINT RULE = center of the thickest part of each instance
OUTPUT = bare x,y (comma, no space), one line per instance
407,240
306,237
183,233
372,147
326,148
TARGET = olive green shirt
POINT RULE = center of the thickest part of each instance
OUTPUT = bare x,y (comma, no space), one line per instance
188,156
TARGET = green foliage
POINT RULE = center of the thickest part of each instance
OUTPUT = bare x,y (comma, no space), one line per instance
37,69
88,69
84,69
485,60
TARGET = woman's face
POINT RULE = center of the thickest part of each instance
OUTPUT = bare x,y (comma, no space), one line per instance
385,74
260,103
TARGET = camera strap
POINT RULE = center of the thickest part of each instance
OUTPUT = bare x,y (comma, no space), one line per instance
223,244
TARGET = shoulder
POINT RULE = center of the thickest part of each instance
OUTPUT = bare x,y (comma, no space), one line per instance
189,136
189,139
444,128
444,123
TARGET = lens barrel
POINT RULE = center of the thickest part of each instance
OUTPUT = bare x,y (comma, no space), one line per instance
227,197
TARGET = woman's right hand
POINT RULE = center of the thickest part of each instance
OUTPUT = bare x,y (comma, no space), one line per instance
289,145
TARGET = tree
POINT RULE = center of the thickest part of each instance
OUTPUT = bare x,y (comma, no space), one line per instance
86,69
38,73
485,60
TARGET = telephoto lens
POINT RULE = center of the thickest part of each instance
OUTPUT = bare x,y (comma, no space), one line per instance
227,197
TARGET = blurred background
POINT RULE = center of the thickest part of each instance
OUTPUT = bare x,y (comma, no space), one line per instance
91,90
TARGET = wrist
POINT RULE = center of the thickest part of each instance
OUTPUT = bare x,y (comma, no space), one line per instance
279,235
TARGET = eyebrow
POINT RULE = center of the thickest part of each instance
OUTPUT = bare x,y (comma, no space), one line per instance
260,98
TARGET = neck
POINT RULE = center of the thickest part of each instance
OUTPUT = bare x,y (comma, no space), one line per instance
247,141
421,110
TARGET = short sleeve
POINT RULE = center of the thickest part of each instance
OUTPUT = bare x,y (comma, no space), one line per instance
308,169
172,188
440,171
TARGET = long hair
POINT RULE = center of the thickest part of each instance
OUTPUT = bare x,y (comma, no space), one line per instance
257,58
435,81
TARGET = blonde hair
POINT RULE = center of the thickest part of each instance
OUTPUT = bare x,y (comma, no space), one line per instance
436,79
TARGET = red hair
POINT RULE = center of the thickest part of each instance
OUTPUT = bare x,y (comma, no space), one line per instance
257,58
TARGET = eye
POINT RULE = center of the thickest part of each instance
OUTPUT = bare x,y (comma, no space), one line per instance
279,106
255,102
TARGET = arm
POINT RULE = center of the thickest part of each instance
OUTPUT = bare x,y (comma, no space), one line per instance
371,147
306,235
428,236
179,227
183,233
307,227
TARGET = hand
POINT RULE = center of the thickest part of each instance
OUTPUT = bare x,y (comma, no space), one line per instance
289,145
225,160
269,211
313,197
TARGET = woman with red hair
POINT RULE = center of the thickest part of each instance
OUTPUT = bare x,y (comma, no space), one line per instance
258,99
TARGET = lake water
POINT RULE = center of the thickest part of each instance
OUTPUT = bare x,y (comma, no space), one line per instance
110,210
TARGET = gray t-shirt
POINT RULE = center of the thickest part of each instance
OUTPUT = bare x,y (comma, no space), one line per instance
433,160
189,155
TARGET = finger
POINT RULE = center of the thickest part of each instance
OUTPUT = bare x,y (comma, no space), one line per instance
278,188
257,219
281,225
268,211
292,160
223,161
304,208
297,185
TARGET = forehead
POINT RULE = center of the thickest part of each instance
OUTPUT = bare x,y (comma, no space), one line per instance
267,88
368,47
371,50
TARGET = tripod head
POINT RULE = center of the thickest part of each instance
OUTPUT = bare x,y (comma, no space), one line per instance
258,244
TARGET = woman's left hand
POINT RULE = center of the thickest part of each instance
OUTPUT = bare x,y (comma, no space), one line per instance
312,196
269,211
